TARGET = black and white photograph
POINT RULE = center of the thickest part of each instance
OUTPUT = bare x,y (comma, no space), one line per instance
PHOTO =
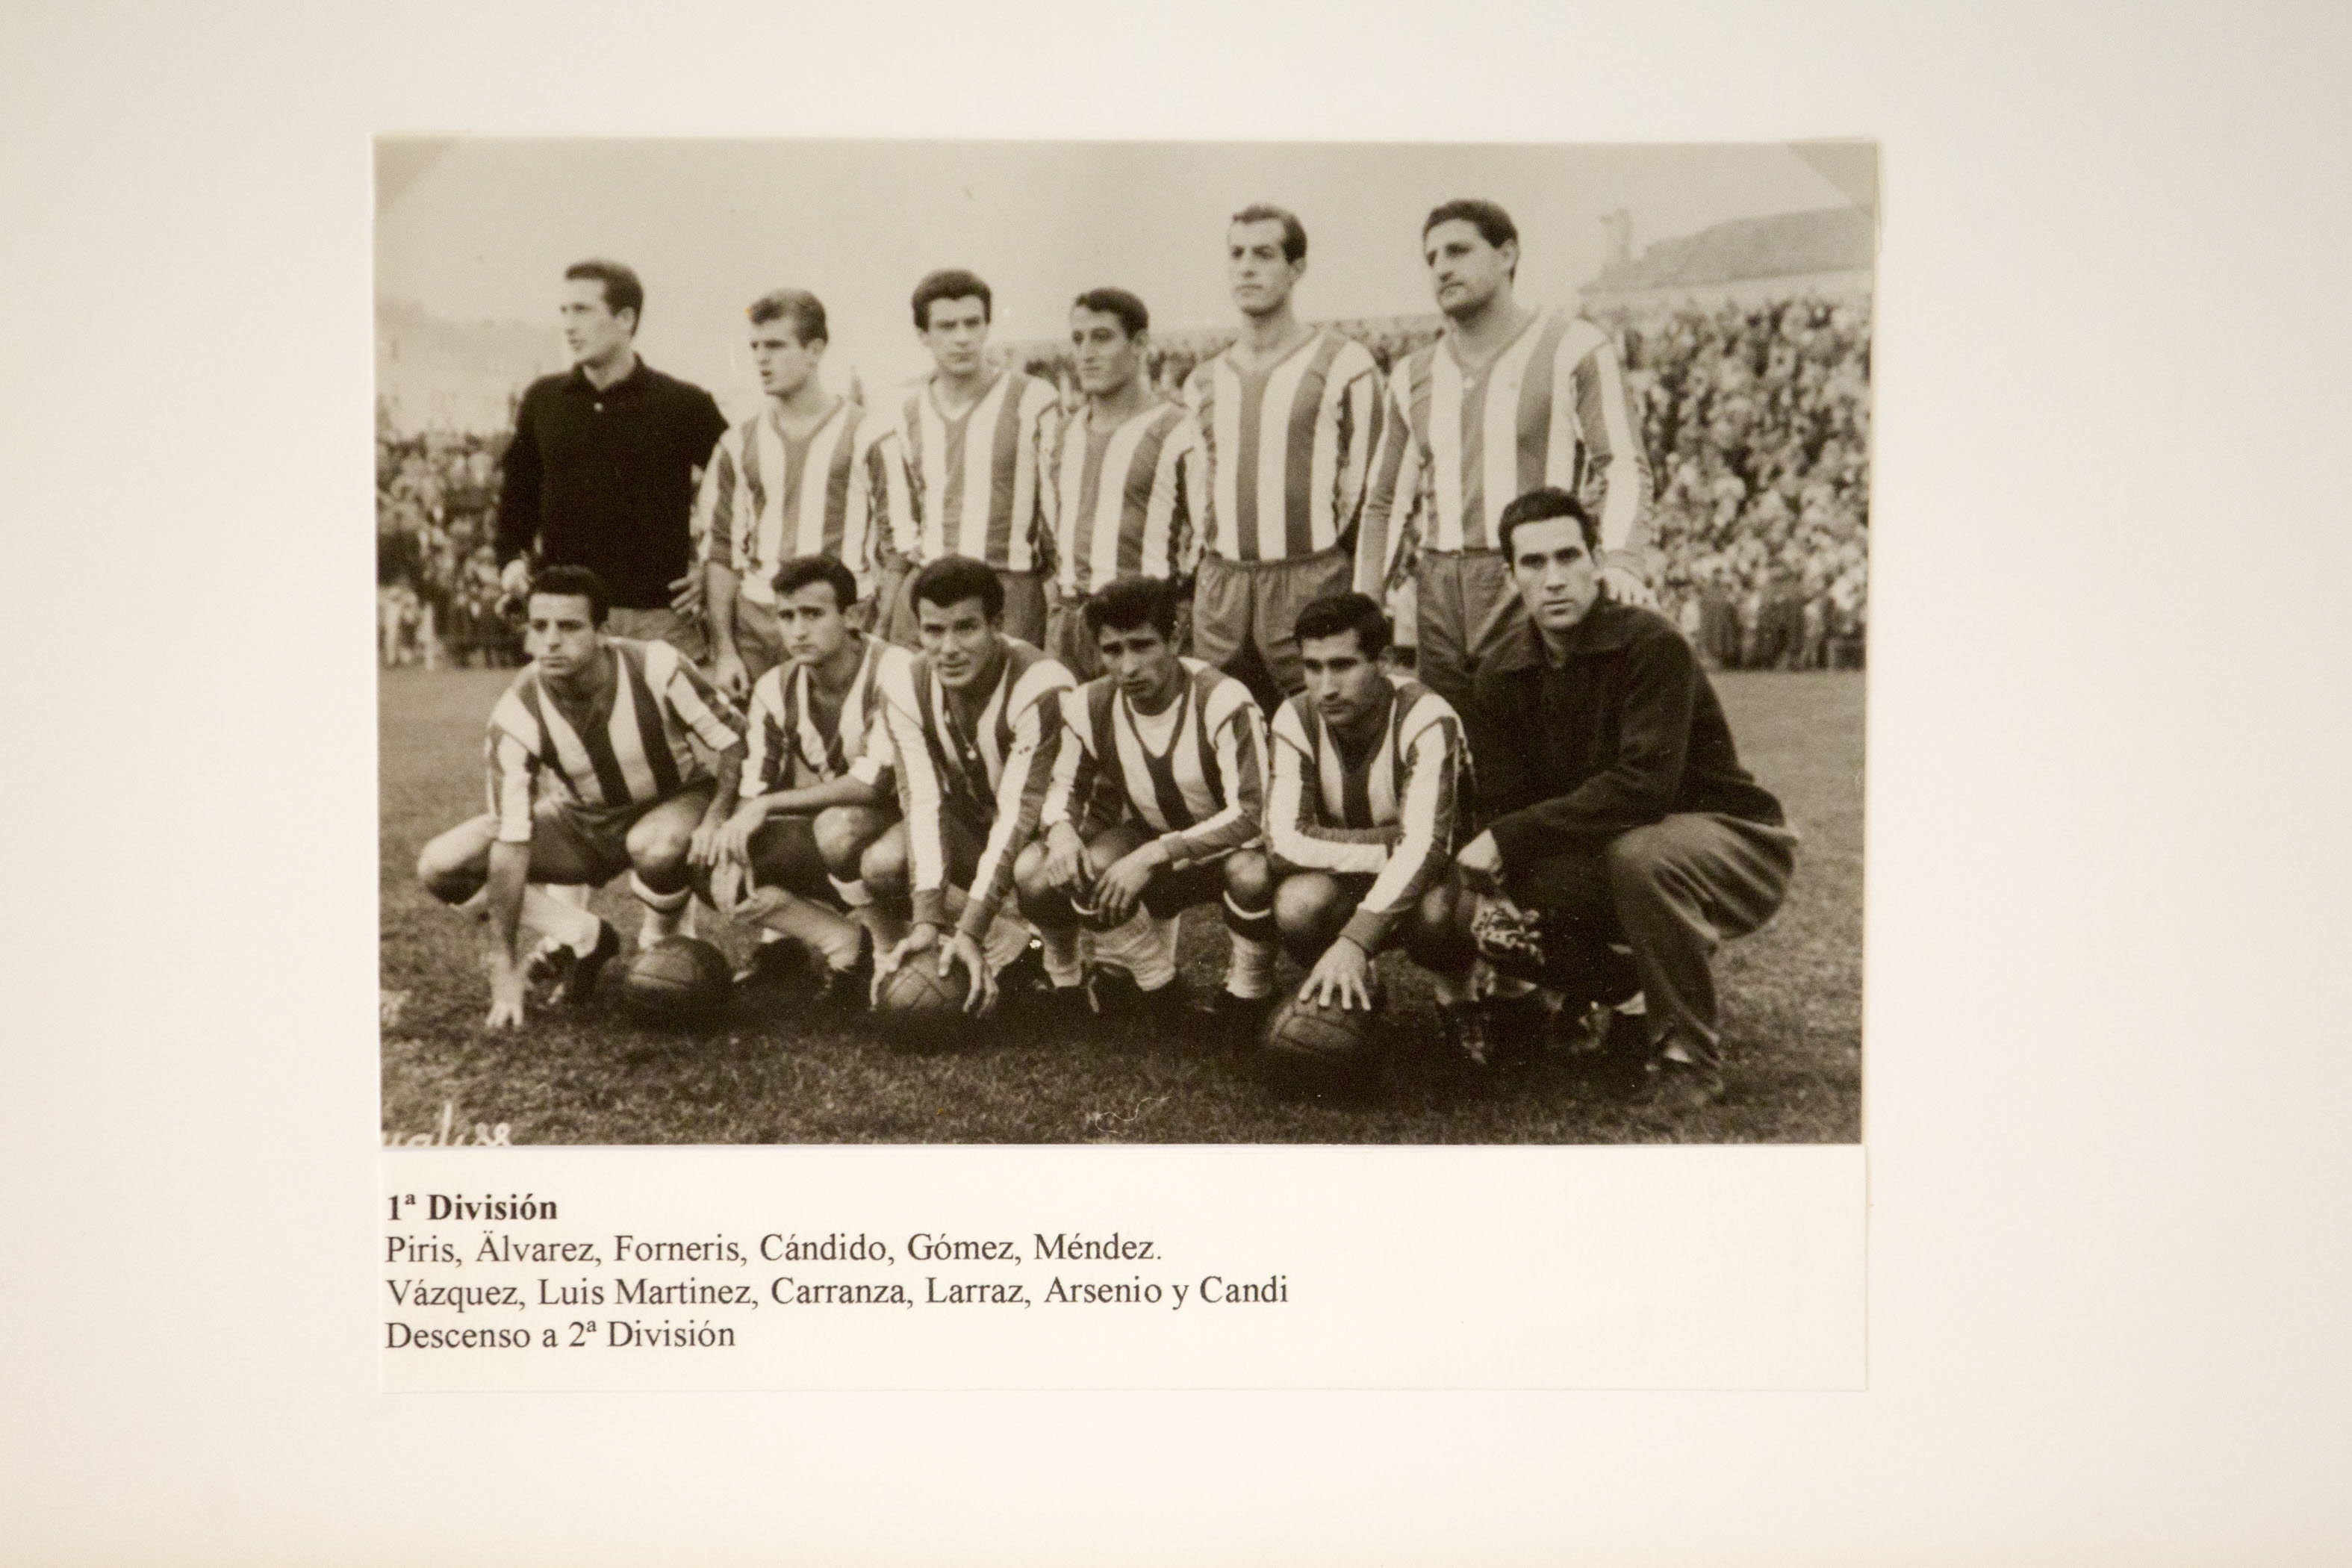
1370,926
1212,643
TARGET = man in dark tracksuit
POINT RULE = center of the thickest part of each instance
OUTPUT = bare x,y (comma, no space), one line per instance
1614,802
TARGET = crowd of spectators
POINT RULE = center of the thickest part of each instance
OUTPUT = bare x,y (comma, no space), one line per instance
1756,419
436,570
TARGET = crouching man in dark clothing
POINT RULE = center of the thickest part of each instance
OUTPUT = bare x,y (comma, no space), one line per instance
1617,812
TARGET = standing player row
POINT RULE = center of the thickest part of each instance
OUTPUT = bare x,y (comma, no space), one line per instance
1287,470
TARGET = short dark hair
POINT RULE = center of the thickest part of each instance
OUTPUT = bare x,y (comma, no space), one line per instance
1336,613
1493,224
1130,604
1118,303
1541,506
1294,233
799,571
951,579
574,581
805,309
622,289
952,283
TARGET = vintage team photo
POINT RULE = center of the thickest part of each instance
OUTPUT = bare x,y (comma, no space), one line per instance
1100,642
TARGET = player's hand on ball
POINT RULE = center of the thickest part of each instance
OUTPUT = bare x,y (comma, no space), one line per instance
921,939
1626,587
1342,977
1119,889
964,948
509,987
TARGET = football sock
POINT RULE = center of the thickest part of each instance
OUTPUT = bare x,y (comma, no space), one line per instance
559,920
1139,946
1249,973
781,914
1061,966
1007,940
665,912
1163,947
1257,925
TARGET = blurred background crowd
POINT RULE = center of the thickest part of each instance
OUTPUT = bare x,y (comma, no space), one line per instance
1756,417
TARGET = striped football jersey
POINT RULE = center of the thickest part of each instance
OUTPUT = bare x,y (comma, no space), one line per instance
1458,446
1388,814
632,751
793,746
1287,447
839,491
1201,785
1124,501
990,770
979,482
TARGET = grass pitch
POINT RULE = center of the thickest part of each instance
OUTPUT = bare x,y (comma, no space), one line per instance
1791,996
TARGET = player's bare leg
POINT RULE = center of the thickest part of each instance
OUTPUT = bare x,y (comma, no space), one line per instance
1050,909
1250,922
882,867
843,833
455,866
658,844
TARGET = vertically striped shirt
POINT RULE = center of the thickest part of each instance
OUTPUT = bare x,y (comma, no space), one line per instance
1201,786
794,744
1458,446
992,772
979,482
1125,498
631,750
838,491
1388,814
1288,447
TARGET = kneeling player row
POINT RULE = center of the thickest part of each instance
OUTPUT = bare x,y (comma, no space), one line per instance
880,807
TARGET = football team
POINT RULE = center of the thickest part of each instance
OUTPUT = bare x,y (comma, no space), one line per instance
969,680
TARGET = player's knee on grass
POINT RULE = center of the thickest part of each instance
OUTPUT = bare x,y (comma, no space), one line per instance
454,865
843,833
1309,909
883,866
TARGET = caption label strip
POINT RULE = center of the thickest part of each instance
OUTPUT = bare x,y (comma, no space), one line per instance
538,1269
529,1283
